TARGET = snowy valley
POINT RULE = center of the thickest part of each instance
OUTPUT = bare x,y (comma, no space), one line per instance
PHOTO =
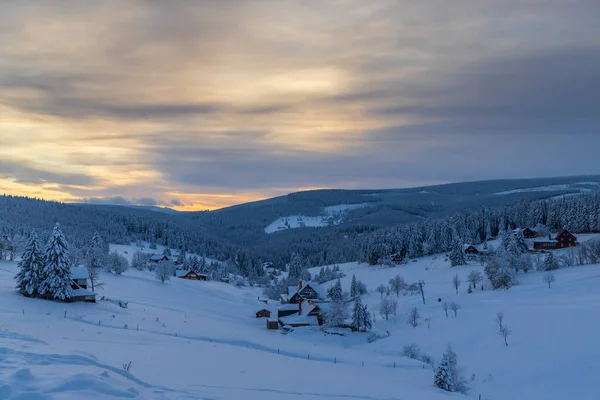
201,340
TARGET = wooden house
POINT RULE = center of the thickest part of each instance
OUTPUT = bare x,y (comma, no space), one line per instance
190,275
224,280
563,240
79,277
529,233
156,258
272,324
397,258
264,313
471,250
566,239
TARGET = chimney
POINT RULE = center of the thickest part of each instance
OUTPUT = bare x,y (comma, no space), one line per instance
300,307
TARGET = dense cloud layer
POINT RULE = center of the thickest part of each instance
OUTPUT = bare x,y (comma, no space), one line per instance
205,104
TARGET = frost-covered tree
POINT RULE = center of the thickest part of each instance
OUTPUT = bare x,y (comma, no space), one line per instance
505,332
358,314
181,258
56,274
139,260
499,272
95,259
414,317
474,278
456,282
337,314
443,375
353,287
549,279
550,263
387,306
455,307
381,289
335,293
367,322
116,263
164,270
296,266
397,284
30,267
457,255
446,375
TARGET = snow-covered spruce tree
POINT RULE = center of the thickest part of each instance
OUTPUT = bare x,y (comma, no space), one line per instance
447,376
457,255
30,267
367,323
194,264
296,266
167,251
443,375
56,273
335,293
95,259
181,258
358,314
353,288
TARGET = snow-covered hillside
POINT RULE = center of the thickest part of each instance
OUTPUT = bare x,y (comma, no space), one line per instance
552,352
201,340
185,340
331,215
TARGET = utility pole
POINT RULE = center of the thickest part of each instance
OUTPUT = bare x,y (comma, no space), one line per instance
421,284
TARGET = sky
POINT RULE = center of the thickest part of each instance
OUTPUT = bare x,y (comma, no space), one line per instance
204,104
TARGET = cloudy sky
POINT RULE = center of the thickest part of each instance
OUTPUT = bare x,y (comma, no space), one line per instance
203,104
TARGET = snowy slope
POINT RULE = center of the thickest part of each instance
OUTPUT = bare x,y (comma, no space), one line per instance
331,215
185,339
552,353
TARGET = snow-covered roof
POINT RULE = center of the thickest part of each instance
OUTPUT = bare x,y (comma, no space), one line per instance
158,257
79,273
286,307
82,292
296,319
181,272
292,290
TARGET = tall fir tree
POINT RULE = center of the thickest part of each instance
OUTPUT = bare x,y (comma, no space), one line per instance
443,375
335,292
181,258
56,273
354,291
358,314
457,255
30,267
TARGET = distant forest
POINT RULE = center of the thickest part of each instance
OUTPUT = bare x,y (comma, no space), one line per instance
315,246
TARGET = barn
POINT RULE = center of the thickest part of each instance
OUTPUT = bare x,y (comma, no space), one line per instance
190,275
563,240
79,277
529,233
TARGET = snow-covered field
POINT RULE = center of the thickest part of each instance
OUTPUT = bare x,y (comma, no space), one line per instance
200,340
551,188
331,215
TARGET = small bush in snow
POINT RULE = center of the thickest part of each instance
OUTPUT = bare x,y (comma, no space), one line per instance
116,263
127,366
505,333
549,279
455,307
414,317
239,282
412,351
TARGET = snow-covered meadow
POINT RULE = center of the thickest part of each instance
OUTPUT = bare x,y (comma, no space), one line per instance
201,340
